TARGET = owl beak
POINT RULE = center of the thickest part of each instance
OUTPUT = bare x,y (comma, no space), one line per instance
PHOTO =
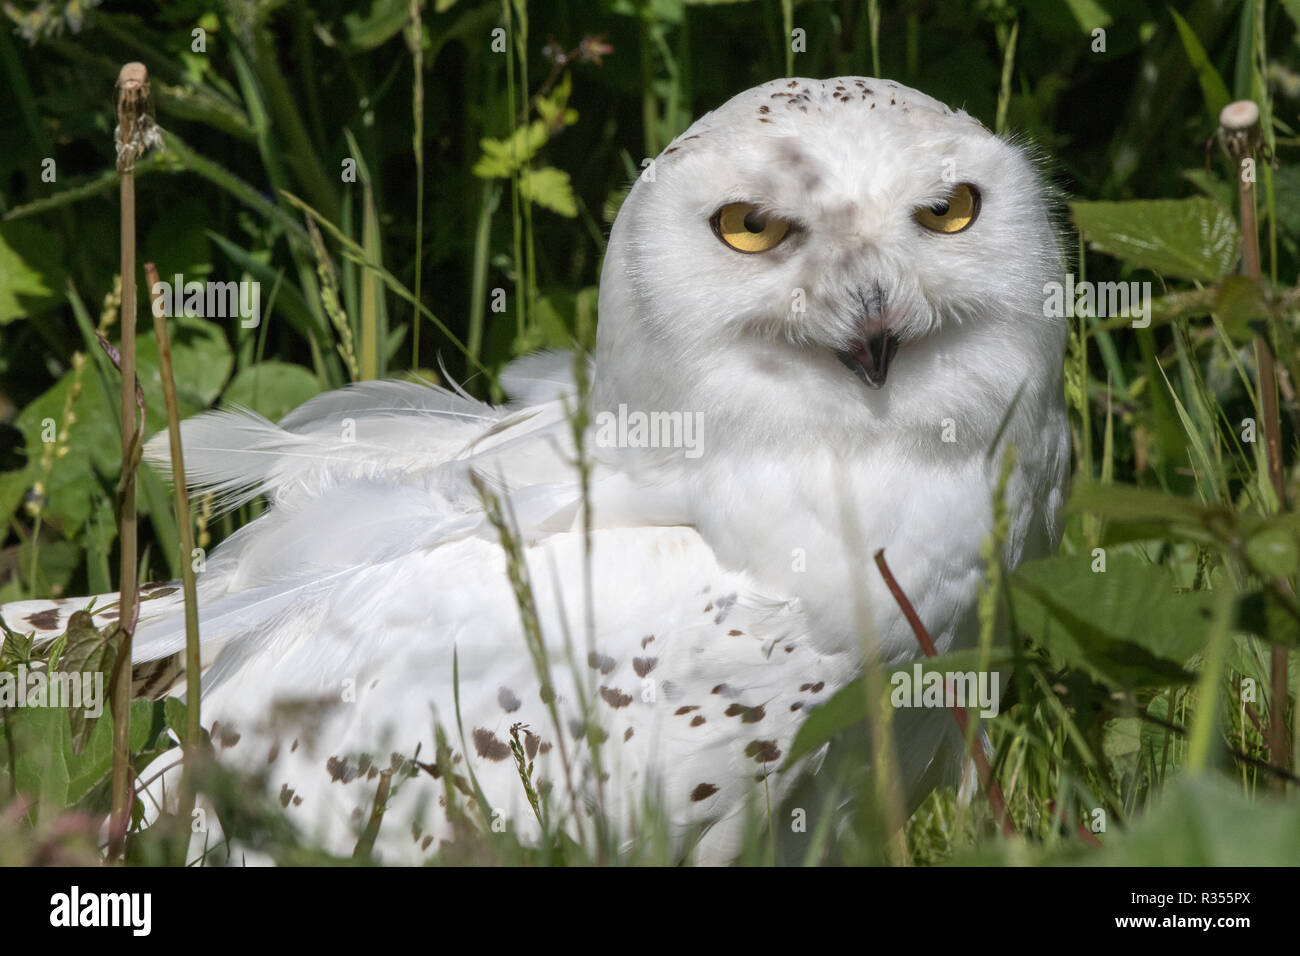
869,358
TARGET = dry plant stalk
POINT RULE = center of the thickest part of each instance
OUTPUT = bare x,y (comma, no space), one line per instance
193,734
135,133
1239,135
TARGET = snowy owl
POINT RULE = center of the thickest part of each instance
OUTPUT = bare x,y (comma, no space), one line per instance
821,322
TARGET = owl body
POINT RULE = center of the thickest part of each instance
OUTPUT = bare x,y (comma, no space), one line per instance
842,283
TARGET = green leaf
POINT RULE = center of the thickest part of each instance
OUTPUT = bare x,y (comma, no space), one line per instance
1206,821
1273,552
385,19
1126,626
201,365
1189,238
502,157
174,712
1135,514
1263,615
1089,14
271,388
31,274
88,651
42,743
549,187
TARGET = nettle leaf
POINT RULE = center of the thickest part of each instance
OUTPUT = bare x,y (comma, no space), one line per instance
549,187
271,388
1189,238
1126,626
31,274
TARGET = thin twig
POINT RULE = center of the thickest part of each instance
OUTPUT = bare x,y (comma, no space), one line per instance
991,787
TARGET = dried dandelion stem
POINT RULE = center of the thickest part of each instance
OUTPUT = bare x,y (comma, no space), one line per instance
1239,134
133,120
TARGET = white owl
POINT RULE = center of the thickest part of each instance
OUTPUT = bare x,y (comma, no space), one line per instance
826,299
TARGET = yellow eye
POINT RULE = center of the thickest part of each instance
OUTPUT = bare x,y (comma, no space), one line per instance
961,208
745,229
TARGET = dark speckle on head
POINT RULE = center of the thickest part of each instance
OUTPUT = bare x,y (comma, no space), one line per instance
685,710
697,720
764,108
627,734
648,639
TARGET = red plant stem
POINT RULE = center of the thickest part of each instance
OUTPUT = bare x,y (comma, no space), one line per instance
991,787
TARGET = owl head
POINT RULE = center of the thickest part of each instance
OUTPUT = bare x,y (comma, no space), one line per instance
847,251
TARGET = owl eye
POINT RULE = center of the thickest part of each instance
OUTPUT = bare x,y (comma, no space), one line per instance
957,212
743,227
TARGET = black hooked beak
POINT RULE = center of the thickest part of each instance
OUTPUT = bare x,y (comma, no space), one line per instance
868,356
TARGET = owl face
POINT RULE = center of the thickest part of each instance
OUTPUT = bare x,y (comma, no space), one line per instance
853,219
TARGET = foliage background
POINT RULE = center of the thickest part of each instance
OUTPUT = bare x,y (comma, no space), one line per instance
260,121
